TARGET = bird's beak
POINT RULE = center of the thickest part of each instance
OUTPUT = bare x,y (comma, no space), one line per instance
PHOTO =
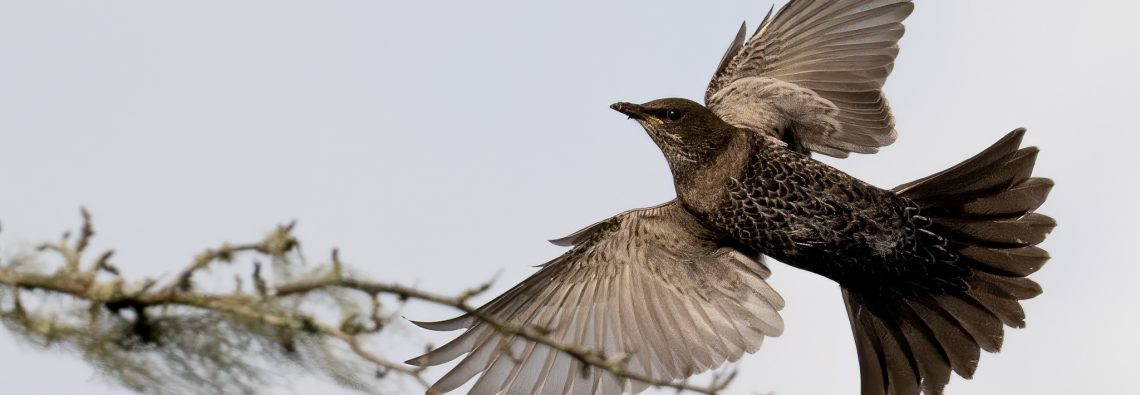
632,110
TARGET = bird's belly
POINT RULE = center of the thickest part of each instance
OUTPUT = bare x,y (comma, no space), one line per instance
846,243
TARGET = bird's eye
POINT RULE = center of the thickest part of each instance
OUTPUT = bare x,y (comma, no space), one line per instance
673,115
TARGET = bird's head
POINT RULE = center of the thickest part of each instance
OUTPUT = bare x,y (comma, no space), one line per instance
686,132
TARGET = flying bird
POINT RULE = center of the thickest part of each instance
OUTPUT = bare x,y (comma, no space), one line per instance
931,271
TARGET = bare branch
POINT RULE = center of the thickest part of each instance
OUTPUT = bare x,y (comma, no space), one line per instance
273,303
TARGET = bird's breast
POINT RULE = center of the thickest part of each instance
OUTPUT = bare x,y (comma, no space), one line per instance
704,187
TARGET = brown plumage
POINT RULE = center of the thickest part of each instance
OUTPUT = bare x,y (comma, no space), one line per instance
931,271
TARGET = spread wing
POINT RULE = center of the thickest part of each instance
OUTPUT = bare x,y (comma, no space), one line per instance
650,283
813,75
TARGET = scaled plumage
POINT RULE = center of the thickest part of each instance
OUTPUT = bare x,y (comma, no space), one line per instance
931,271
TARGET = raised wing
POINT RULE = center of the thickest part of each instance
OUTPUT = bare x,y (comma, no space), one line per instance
650,283
813,75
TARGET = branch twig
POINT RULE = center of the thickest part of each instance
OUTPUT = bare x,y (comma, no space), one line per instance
255,305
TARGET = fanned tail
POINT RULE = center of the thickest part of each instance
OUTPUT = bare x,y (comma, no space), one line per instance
984,209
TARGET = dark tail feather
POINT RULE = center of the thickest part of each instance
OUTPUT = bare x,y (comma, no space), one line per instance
984,207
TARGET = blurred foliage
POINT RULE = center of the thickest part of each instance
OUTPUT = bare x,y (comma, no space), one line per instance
177,338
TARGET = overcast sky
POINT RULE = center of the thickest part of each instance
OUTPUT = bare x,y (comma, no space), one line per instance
439,143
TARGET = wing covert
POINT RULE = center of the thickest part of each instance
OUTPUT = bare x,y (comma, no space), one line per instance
812,75
650,283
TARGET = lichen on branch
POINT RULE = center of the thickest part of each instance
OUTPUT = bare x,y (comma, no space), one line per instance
177,337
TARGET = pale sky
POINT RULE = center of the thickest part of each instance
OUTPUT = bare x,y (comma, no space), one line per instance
440,143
